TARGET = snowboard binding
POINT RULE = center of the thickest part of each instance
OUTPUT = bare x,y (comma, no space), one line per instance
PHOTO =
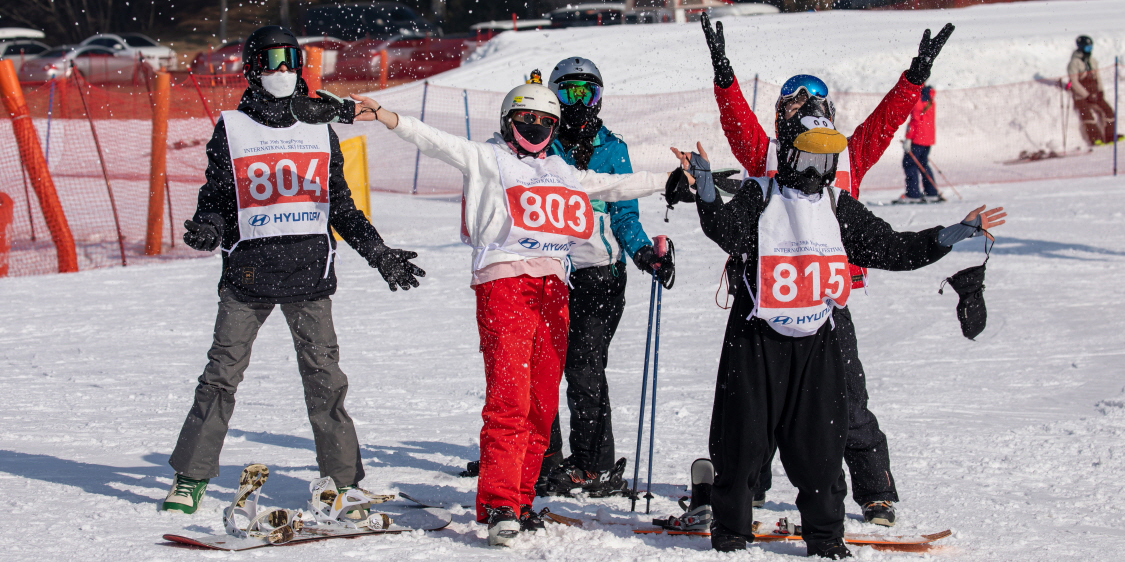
348,508
276,525
697,515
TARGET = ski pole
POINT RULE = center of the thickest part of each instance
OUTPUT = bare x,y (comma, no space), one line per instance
644,389
923,170
949,183
652,424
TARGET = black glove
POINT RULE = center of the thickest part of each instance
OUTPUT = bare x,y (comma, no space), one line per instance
676,189
663,267
206,234
724,75
928,50
723,181
328,108
396,269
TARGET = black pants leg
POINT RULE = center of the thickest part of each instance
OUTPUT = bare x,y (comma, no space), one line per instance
789,393
597,300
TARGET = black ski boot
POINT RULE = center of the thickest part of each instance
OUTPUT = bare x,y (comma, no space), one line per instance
549,465
530,521
879,513
759,498
725,540
472,470
832,549
567,480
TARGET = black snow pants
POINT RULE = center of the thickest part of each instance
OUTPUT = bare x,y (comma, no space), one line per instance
866,453
775,391
597,299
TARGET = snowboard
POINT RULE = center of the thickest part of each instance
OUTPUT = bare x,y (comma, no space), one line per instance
403,518
909,543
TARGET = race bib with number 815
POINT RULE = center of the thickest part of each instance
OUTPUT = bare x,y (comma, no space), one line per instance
803,281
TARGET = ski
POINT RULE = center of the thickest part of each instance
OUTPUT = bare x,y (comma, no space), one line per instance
910,543
410,518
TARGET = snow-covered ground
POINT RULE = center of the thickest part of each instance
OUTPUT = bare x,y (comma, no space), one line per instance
1015,441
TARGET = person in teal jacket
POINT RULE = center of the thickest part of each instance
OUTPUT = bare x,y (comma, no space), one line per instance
597,294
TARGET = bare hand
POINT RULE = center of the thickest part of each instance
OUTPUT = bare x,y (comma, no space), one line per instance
988,219
365,108
685,160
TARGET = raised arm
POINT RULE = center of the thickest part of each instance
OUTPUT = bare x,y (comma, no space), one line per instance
873,136
747,139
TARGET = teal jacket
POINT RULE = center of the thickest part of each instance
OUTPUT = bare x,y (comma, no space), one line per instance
611,156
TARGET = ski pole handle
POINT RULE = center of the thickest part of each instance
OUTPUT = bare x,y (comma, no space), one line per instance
660,244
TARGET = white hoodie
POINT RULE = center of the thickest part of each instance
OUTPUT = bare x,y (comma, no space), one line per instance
485,216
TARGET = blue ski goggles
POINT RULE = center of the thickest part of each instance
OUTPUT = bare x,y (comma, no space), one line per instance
271,59
812,86
585,92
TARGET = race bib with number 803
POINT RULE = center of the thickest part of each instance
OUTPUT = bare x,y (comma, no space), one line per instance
551,209
803,281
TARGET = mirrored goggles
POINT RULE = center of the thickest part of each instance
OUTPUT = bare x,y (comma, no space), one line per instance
801,161
272,58
532,118
587,93
812,86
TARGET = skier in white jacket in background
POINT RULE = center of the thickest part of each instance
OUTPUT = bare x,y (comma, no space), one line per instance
522,211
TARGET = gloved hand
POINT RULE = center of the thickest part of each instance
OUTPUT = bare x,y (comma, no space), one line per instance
724,74
724,182
664,267
906,144
395,267
205,235
928,49
676,189
328,108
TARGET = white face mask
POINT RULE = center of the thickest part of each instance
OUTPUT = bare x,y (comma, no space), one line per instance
280,84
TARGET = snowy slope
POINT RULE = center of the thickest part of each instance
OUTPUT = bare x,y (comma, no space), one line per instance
1014,441
854,51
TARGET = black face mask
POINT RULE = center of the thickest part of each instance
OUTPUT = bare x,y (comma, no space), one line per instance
579,121
533,133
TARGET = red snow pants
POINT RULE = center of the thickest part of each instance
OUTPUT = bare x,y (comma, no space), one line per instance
523,323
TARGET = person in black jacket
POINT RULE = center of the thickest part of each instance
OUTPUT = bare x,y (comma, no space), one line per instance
275,184
781,380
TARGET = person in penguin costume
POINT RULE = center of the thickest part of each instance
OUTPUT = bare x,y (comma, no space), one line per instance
781,381
866,455
522,212
275,184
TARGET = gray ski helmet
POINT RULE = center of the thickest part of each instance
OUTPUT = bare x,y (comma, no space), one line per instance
262,38
574,68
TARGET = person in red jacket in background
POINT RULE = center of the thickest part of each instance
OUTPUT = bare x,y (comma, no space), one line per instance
920,136
866,454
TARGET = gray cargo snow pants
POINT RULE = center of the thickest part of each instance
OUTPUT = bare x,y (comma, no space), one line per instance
326,386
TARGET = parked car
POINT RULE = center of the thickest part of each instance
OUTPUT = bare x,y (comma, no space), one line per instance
96,64
19,43
136,45
228,59
485,30
407,58
374,20
583,15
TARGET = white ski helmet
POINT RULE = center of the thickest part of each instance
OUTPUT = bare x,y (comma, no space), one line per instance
529,97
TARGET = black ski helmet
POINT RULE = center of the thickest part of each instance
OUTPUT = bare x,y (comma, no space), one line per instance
1085,44
263,38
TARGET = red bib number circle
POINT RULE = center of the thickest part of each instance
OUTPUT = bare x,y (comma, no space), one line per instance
552,209
803,281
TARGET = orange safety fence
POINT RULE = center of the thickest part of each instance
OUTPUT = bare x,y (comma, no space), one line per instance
104,187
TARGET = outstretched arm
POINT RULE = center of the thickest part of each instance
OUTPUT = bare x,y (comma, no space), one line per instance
451,149
747,139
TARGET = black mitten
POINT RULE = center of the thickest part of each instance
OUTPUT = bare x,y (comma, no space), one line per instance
328,108
724,74
676,189
928,50
969,284
206,234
